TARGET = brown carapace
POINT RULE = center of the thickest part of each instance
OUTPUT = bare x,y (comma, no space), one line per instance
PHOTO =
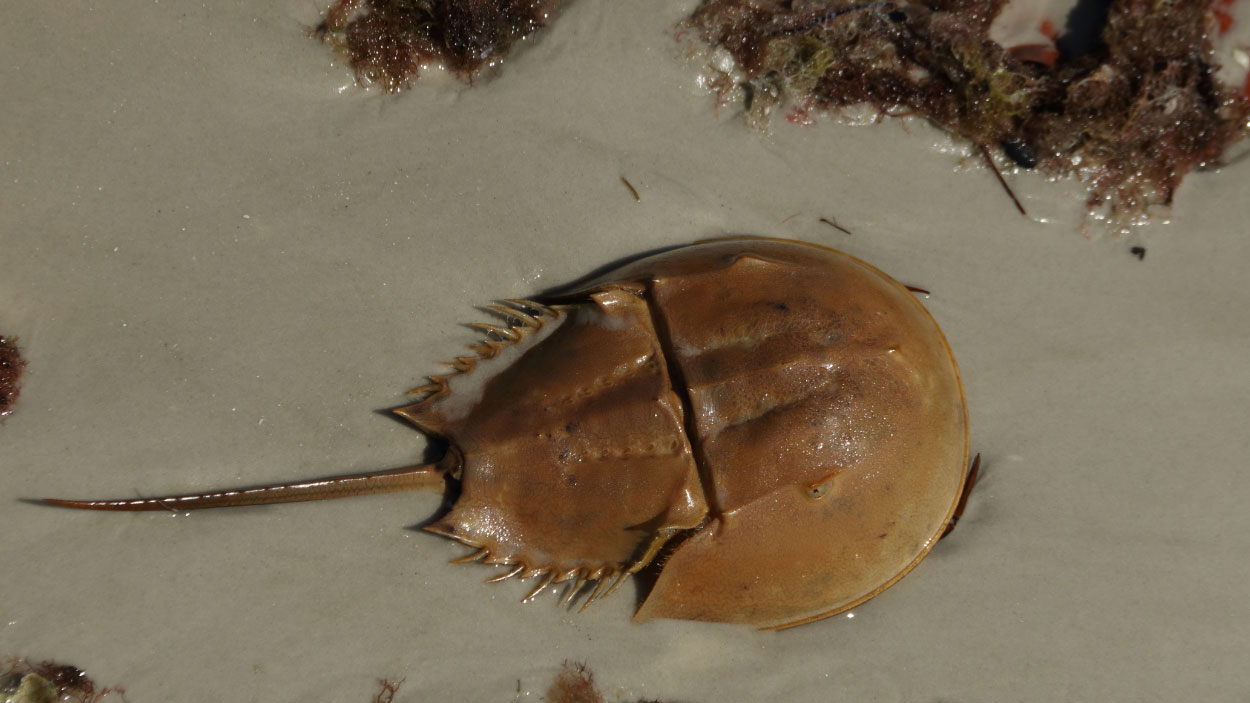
774,430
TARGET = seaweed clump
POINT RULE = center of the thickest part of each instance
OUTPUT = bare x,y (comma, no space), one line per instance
387,689
389,41
576,684
1130,118
11,366
50,682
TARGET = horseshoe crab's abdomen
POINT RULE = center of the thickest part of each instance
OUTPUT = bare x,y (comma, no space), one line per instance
574,455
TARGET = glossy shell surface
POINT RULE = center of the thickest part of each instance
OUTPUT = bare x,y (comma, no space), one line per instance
776,431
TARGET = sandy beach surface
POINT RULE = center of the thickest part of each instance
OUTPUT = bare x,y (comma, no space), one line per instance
223,260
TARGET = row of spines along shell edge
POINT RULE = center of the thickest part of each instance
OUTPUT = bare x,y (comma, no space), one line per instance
607,577
522,318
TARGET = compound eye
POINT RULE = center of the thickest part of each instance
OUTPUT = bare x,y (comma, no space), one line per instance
821,488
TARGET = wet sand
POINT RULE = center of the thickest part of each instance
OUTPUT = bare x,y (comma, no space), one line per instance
223,259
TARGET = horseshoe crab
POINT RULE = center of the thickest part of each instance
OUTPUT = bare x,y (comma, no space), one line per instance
775,430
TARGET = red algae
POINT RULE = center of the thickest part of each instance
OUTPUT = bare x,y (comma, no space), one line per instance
576,684
1130,118
11,367
387,690
51,681
389,41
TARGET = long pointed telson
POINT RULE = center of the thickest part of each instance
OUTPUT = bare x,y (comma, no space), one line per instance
426,477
